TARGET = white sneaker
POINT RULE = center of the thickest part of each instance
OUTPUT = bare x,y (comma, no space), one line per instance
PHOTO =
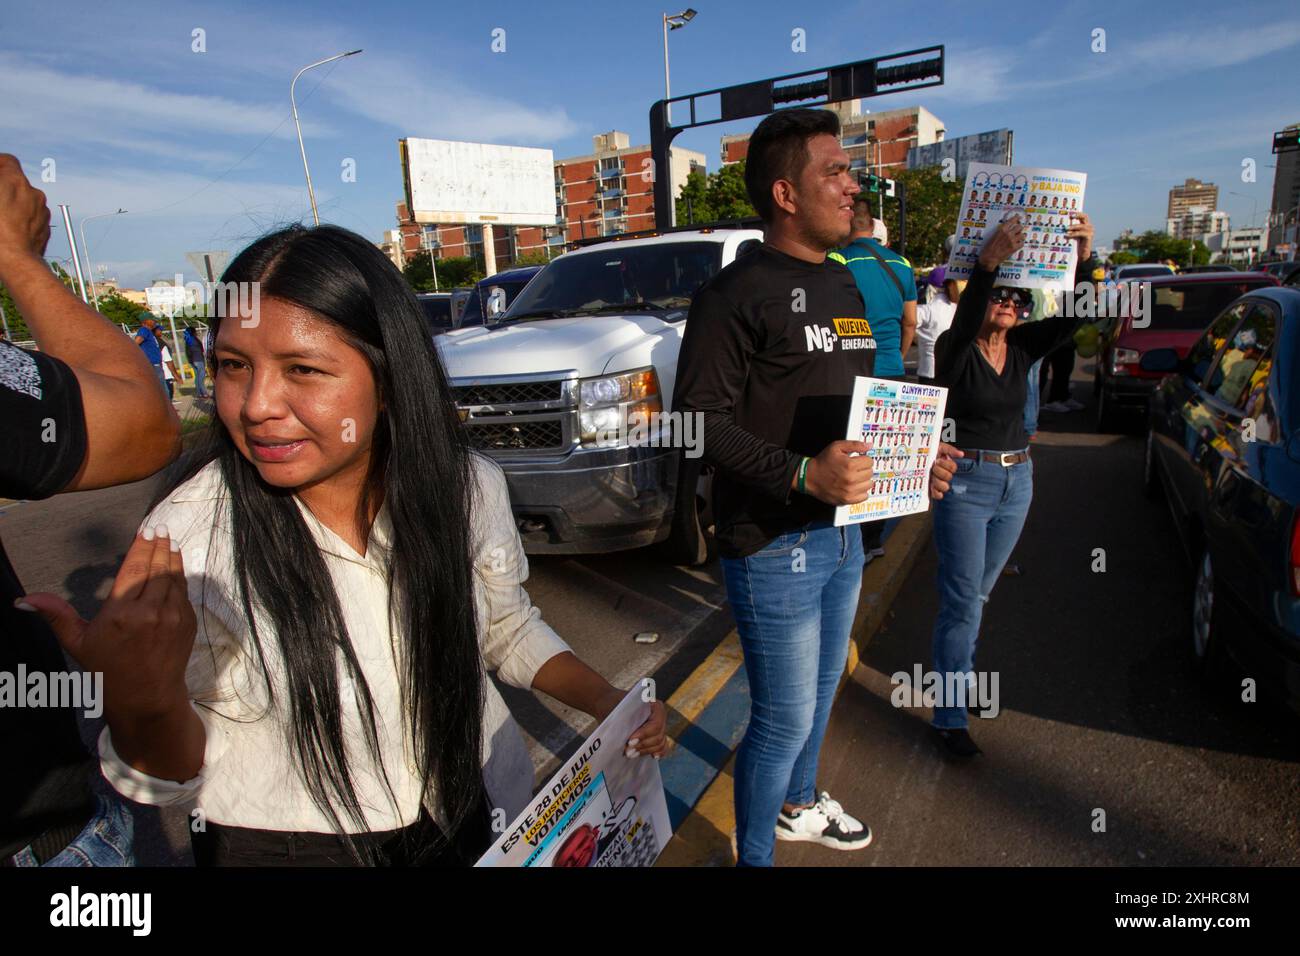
1055,407
1074,405
825,822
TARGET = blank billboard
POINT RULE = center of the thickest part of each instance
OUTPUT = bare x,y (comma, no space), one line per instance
451,182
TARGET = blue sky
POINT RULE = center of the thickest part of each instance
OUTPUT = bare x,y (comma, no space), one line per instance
200,149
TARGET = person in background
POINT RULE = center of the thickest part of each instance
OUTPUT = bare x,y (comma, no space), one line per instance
933,319
168,366
888,289
1043,305
63,428
984,361
149,339
198,360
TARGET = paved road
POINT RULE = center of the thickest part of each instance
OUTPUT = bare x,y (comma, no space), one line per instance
1100,709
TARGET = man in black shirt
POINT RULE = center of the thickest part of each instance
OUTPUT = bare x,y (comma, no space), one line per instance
772,346
84,412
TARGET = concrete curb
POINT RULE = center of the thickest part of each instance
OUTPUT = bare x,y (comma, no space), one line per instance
703,837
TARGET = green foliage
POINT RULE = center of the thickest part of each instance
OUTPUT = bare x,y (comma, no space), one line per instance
932,208
713,196
457,271
18,330
1123,258
121,311
538,258
1155,245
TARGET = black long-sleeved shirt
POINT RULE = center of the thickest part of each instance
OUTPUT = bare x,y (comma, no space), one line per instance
989,408
772,346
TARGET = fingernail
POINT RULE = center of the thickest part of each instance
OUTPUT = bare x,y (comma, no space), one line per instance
175,545
160,530
24,606
634,741
630,752
147,534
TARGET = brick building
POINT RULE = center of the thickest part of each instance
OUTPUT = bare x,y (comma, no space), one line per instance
604,193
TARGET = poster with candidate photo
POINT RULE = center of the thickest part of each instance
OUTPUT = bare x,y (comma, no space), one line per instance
901,421
1044,199
600,809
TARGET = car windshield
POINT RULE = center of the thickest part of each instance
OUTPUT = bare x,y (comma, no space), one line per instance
619,278
1191,307
475,305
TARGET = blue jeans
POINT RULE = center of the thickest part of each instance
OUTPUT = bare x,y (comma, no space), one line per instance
1031,400
794,603
976,526
200,376
104,841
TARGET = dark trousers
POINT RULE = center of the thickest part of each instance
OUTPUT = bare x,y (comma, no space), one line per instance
1061,363
420,844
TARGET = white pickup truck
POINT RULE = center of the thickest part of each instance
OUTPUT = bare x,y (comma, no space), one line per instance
591,342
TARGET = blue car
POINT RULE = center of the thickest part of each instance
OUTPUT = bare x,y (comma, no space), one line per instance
1223,446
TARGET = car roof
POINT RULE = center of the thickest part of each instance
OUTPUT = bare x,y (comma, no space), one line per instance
685,235
512,275
1210,278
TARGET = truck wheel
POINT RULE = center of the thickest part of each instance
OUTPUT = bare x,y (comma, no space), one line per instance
687,544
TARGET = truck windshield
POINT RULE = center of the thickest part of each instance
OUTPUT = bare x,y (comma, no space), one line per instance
619,278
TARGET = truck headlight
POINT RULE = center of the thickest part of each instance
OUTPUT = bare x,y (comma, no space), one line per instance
609,406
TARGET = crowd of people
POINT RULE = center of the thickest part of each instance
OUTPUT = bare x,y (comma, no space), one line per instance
298,639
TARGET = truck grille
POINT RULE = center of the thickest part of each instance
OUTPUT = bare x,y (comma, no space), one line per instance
508,393
525,435
504,417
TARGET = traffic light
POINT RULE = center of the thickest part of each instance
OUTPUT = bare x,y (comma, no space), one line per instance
871,183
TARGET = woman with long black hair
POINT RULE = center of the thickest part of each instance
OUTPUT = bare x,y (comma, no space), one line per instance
355,572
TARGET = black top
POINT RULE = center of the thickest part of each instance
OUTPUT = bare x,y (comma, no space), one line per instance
772,346
988,408
45,780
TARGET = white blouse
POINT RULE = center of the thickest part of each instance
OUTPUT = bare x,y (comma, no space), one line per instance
249,776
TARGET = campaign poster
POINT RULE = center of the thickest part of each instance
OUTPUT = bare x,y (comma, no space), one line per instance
600,809
1044,199
902,422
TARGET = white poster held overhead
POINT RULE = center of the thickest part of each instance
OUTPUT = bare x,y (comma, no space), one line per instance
901,421
600,808
1044,199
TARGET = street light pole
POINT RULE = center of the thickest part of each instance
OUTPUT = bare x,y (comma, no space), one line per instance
72,245
311,194
672,21
85,249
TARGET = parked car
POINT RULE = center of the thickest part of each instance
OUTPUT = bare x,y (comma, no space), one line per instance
491,297
1196,270
1181,307
437,310
1223,444
1278,270
1141,270
459,296
590,344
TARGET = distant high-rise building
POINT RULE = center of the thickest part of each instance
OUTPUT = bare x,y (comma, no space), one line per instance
1284,217
1191,193
1195,222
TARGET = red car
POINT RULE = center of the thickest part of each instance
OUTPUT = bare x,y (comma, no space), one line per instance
1182,307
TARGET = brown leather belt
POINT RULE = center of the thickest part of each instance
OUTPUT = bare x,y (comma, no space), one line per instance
1004,458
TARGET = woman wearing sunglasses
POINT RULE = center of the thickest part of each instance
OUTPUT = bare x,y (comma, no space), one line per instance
984,359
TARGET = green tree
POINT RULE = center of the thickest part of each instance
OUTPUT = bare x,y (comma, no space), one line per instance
120,310
456,271
537,258
1155,245
713,196
932,208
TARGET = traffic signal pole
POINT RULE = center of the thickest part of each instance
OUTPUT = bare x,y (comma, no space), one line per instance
877,76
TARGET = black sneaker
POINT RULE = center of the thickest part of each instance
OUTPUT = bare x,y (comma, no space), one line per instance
825,822
957,742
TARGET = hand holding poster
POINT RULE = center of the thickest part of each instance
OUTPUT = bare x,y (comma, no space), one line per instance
1044,199
600,808
901,421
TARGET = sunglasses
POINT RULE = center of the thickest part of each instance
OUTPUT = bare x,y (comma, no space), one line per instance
1014,296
